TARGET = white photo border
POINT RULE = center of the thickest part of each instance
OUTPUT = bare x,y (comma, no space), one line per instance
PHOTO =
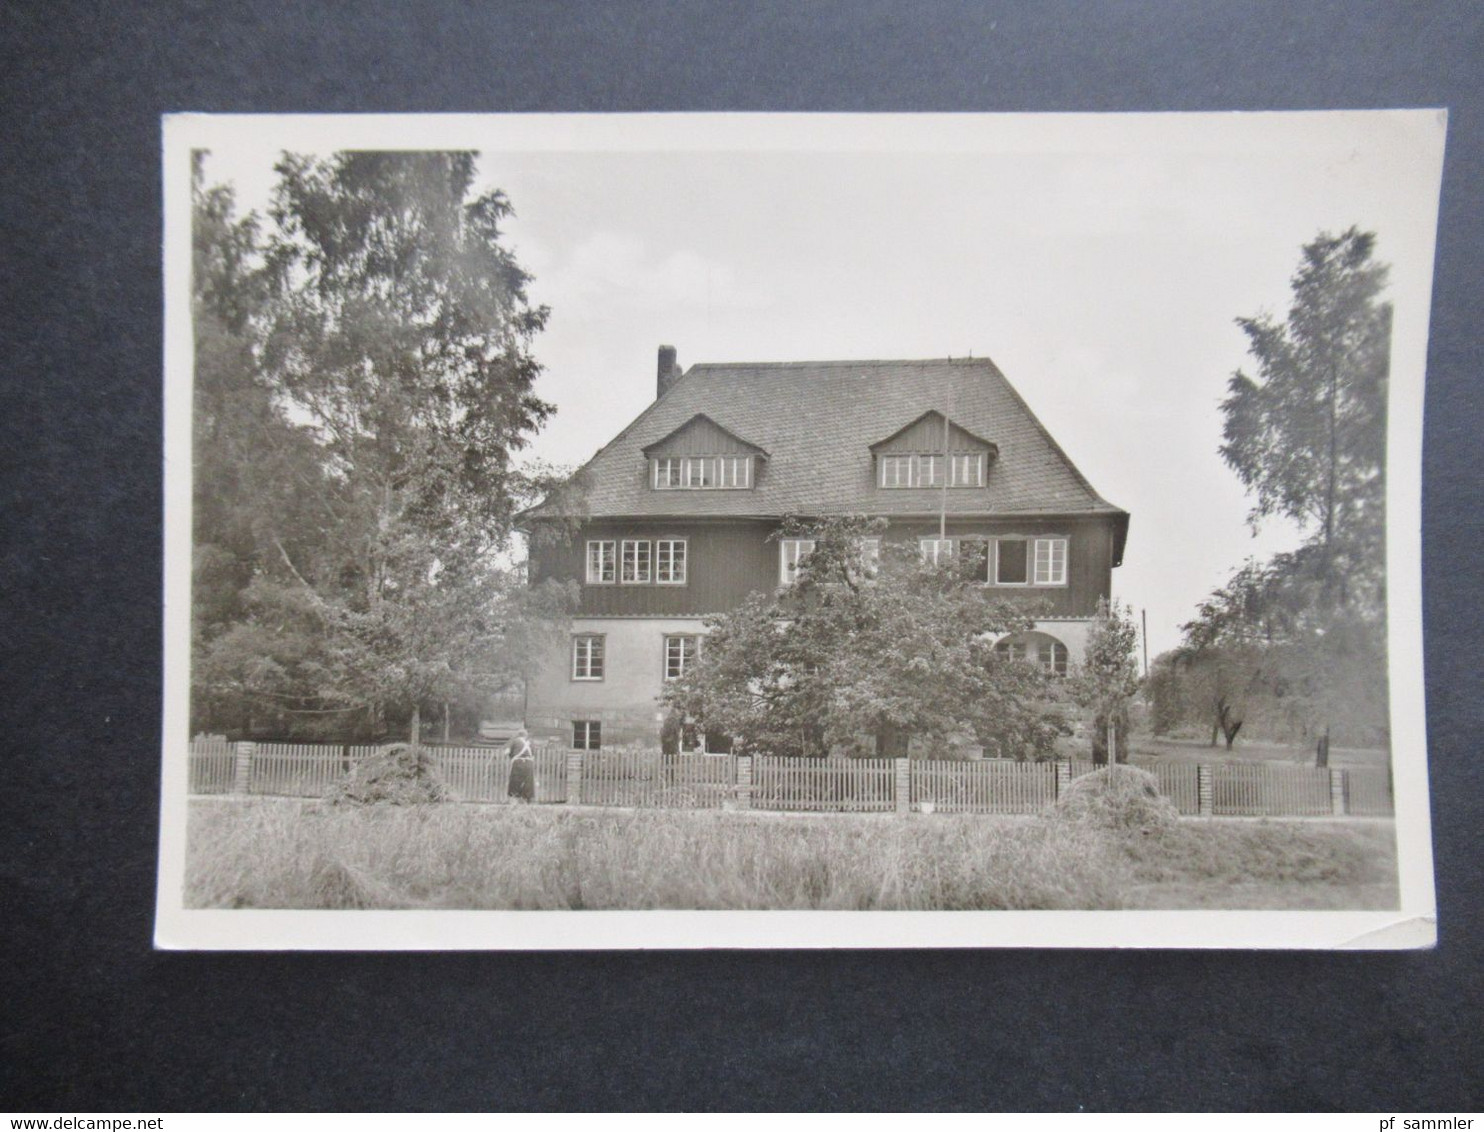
1413,139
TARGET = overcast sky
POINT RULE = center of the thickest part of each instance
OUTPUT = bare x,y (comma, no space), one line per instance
1100,262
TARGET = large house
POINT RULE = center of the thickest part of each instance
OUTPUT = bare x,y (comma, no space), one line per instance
680,506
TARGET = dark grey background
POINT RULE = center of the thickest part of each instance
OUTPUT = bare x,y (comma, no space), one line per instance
93,1019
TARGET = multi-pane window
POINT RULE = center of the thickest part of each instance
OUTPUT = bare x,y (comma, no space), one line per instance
587,735
790,552
680,653
896,471
1050,562
870,551
928,469
1046,653
668,471
966,470
587,657
634,563
669,561
734,471
935,550
601,554
702,472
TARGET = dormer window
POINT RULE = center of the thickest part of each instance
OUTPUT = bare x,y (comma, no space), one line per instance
701,455
966,469
702,473
926,469
932,452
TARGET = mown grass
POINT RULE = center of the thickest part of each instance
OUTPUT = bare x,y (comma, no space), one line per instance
276,853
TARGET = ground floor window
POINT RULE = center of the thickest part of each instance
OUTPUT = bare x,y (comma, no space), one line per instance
680,653
587,657
587,735
1044,651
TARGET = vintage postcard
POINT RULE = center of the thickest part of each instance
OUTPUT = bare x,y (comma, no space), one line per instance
674,531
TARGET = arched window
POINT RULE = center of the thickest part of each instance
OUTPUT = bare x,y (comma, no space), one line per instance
1040,649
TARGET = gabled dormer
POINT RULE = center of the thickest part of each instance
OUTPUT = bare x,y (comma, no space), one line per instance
701,455
921,454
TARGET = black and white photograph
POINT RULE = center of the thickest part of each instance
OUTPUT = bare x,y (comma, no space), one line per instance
796,530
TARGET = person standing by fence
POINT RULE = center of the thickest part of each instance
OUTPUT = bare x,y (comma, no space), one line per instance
522,786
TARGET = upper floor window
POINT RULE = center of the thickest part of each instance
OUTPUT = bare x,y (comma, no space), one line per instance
636,561
1002,561
669,558
1010,562
587,657
601,562
1050,564
927,469
1030,562
935,550
702,472
792,551
634,564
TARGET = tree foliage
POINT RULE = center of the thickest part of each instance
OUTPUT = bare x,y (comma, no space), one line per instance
861,649
1307,434
1108,678
365,381
1302,635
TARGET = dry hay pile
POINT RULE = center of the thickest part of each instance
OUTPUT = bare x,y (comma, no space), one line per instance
1118,797
395,775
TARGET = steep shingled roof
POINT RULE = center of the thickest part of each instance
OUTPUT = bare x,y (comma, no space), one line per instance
818,420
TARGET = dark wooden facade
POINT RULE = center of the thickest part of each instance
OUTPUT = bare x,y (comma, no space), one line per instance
729,559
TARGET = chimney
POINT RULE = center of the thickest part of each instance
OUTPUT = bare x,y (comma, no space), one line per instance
669,370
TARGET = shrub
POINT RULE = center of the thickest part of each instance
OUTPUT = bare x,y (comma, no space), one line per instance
396,775
1118,797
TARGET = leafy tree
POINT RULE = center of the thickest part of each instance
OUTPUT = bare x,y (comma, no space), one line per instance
391,326
255,472
862,651
1307,436
1108,678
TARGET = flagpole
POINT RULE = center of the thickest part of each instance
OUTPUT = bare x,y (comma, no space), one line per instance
943,497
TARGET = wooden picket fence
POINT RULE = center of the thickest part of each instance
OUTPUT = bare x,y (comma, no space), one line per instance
644,777
213,764
988,787
824,785
1256,789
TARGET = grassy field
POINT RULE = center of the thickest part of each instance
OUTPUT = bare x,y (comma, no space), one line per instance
1201,751
281,853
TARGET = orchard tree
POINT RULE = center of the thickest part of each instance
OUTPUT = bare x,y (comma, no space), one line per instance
1108,678
861,651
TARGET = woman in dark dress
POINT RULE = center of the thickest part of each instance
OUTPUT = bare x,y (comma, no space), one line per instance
522,786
